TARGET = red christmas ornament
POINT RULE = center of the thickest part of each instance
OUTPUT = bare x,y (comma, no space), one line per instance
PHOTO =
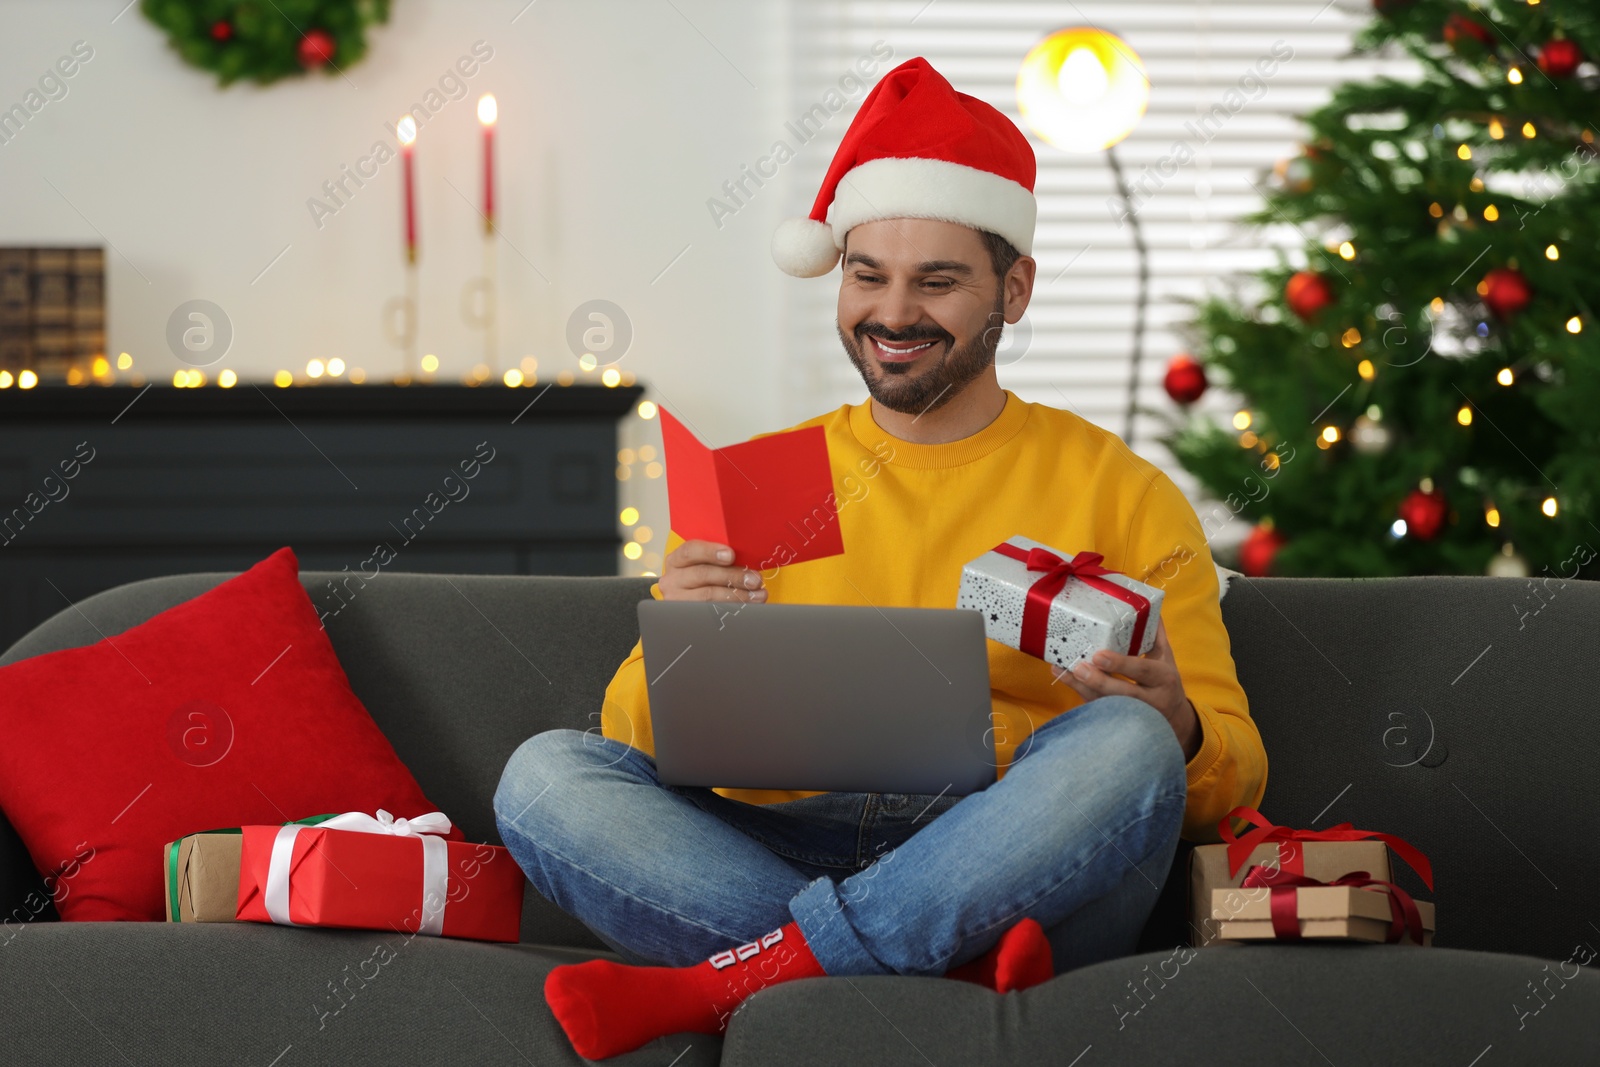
1560,58
1258,549
1185,380
221,30
1424,513
1505,291
1458,28
315,49
1307,293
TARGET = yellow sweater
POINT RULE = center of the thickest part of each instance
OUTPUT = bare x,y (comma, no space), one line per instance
911,514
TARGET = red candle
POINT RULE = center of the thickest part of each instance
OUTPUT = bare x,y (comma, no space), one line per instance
406,130
487,113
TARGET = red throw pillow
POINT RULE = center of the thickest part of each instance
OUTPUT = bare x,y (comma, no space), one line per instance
228,710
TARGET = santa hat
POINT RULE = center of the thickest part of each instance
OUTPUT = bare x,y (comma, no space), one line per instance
917,149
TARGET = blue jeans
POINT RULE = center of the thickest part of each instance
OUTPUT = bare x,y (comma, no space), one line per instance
1078,835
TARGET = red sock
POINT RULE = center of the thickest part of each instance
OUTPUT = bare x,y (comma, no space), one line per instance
1021,958
608,1008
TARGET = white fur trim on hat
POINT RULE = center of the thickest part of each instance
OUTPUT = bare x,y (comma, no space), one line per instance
892,188
804,248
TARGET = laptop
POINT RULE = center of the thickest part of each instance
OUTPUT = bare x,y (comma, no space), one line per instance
818,696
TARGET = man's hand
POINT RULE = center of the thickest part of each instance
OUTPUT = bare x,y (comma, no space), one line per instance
702,570
1152,677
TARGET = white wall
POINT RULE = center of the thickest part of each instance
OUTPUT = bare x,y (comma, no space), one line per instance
618,119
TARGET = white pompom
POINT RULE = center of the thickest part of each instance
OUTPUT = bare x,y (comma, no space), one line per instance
804,247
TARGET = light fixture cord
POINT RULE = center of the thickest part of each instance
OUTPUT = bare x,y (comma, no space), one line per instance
1140,301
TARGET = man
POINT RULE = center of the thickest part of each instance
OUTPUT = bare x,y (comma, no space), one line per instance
930,202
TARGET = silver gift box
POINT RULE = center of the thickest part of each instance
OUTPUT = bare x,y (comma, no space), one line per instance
1083,620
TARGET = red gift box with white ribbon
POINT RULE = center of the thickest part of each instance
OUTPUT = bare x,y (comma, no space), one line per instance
380,873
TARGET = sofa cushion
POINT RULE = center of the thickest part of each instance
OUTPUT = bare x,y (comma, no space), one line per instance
225,710
1312,1004
215,993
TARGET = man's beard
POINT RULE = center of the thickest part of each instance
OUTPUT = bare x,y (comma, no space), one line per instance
895,386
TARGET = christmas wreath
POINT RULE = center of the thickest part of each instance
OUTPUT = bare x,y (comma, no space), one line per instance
264,40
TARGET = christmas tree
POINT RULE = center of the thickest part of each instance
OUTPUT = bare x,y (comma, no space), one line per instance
1421,390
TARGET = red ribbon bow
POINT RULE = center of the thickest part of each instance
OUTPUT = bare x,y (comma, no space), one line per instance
1404,919
1293,859
1085,566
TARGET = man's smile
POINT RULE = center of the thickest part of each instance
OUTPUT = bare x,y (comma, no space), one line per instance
899,351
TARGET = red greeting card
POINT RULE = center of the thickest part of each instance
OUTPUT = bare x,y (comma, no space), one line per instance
771,500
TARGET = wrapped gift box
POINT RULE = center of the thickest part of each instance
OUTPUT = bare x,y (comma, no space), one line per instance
202,875
379,879
1211,886
1346,913
1060,608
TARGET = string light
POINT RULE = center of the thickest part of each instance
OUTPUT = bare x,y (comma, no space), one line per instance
335,367
283,379
1248,439
74,376
632,550
1241,420
1574,325
1491,213
587,362
430,363
100,367
227,379
1528,131
1496,130
624,473
643,535
6,379
629,516
1505,377
611,377
1549,506
1398,529
1514,76
1347,250
314,368
625,456
1492,516
357,375
652,470
1552,252
1464,152
512,377
1436,304
1350,338
27,380
1366,370
1436,210
1464,415
564,378
647,410
646,453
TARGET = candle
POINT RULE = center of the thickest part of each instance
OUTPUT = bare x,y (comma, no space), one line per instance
487,113
406,130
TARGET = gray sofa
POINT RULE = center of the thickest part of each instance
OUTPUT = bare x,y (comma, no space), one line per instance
1435,708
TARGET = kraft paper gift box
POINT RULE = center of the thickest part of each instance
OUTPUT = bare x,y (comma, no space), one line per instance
1059,608
399,875
202,878
1342,912
1211,886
